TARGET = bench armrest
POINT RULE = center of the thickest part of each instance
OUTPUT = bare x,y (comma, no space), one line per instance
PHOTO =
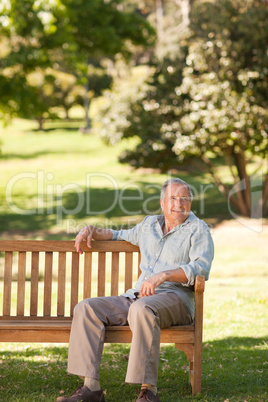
199,285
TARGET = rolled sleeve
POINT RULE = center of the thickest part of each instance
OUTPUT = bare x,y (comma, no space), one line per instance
115,234
201,256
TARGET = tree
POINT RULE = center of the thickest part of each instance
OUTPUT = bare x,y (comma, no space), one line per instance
64,35
102,29
211,101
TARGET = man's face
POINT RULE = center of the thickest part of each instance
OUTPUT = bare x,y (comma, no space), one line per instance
177,204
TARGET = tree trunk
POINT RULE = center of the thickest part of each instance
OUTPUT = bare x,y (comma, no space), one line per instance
66,113
265,196
239,195
87,128
40,121
240,163
235,201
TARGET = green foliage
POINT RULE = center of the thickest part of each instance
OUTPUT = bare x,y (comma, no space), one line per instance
148,115
211,100
102,28
66,36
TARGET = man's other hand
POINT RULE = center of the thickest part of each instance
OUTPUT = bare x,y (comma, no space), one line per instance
148,286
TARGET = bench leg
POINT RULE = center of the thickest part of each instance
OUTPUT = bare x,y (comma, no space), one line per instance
191,365
191,354
196,374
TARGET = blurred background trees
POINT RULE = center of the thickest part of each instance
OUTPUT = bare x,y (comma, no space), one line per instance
187,79
206,103
42,40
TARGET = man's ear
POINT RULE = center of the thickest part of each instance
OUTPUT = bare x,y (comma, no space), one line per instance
162,205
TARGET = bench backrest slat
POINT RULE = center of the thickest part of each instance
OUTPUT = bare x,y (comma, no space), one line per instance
61,284
115,273
43,278
48,283
7,283
128,271
139,262
34,283
101,273
87,275
74,282
21,283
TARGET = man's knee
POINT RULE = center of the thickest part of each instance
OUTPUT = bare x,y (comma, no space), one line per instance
83,308
140,311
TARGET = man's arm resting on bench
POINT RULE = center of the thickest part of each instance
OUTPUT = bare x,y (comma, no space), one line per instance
90,232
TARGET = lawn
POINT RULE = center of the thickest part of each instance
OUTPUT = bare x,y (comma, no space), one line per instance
49,177
53,182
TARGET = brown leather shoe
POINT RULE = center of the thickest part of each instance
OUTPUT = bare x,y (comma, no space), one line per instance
83,394
147,395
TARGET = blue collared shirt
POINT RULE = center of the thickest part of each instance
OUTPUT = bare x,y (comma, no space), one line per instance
189,246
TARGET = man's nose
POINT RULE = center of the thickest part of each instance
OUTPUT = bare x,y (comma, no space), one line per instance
178,201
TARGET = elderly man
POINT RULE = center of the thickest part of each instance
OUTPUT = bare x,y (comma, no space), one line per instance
175,247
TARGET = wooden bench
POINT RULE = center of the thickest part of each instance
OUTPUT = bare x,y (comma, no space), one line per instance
44,280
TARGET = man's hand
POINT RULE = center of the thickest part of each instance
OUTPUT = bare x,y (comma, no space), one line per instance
85,233
148,286
91,232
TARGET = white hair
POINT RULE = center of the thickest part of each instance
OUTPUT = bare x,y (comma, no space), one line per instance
175,180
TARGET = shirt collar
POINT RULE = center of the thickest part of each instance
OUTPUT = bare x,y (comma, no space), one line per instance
191,217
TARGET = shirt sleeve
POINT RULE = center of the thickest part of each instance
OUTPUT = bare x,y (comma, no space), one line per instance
131,235
200,256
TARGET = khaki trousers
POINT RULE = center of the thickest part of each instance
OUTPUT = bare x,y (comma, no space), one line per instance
145,316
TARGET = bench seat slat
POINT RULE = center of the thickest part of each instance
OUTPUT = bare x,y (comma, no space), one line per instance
113,334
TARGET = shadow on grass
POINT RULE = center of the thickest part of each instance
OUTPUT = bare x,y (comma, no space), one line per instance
234,369
50,126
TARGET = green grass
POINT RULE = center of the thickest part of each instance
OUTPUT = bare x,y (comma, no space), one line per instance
235,355
51,172
39,373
